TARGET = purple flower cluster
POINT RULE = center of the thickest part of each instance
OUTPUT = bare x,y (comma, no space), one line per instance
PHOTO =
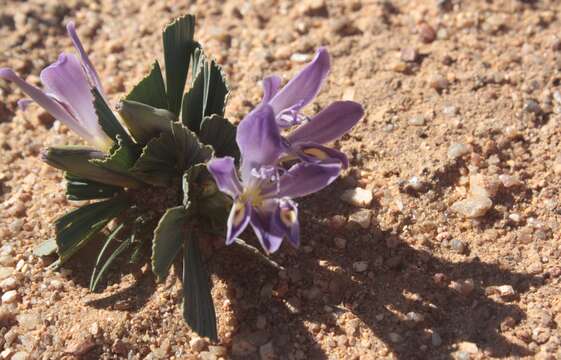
67,95
274,134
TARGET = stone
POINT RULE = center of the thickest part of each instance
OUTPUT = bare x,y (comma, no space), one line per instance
242,347
197,344
458,246
299,58
395,337
532,106
8,284
439,83
409,54
10,297
360,266
267,351
20,355
427,34
469,347
340,243
509,181
29,321
473,207
457,150
506,291
362,217
417,120
415,183
358,197
6,272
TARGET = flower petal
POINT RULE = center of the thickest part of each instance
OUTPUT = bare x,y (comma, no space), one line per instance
66,80
88,67
265,226
287,218
52,106
303,88
330,124
223,171
237,220
271,85
305,178
259,140
315,153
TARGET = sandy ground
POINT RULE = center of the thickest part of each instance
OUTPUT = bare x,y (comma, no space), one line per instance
462,109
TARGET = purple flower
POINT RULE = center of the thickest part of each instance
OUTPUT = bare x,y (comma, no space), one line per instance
263,198
67,95
307,140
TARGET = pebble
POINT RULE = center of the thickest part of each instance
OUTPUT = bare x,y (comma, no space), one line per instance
6,272
8,284
7,260
415,317
241,347
360,266
457,150
439,83
506,291
409,54
427,34
468,347
299,58
472,207
436,340
10,297
509,181
358,197
197,344
532,106
362,218
417,120
29,321
217,350
395,337
485,186
415,183
458,246
340,243
20,355
450,111
15,226
267,351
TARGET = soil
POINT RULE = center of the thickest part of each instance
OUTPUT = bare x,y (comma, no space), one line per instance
456,93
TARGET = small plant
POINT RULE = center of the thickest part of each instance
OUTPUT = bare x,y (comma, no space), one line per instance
165,161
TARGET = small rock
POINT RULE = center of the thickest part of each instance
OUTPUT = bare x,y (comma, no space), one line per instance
217,350
506,291
509,181
415,183
484,186
467,287
532,106
409,54
20,355
29,321
340,243
242,347
468,347
473,207
78,348
439,83
358,197
6,272
395,338
120,347
299,58
450,111
15,226
362,218
360,266
267,351
458,246
197,344
427,34
10,297
417,120
415,317
436,340
344,27
457,150
8,284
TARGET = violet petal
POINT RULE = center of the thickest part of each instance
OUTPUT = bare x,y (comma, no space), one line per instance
88,66
303,88
287,218
269,235
304,178
238,219
223,170
329,124
315,153
271,85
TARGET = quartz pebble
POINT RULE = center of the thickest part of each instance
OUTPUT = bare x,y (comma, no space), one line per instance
409,54
358,197
473,207
197,344
417,120
509,181
506,291
457,150
10,297
360,266
362,217
458,246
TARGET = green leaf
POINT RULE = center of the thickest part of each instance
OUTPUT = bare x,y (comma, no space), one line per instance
206,97
78,188
151,90
198,308
221,134
144,121
178,47
168,155
168,238
74,229
46,248
107,119
98,271
120,161
84,162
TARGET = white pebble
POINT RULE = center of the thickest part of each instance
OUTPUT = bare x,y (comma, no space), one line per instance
509,181
9,297
299,58
360,266
417,120
362,218
358,197
457,150
9,284
197,344
506,291
473,207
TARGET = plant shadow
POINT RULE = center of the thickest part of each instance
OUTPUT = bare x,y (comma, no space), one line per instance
314,305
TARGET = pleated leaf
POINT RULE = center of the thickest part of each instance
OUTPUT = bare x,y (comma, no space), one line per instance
99,268
168,239
108,121
151,90
74,229
78,188
144,121
221,135
178,47
198,307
